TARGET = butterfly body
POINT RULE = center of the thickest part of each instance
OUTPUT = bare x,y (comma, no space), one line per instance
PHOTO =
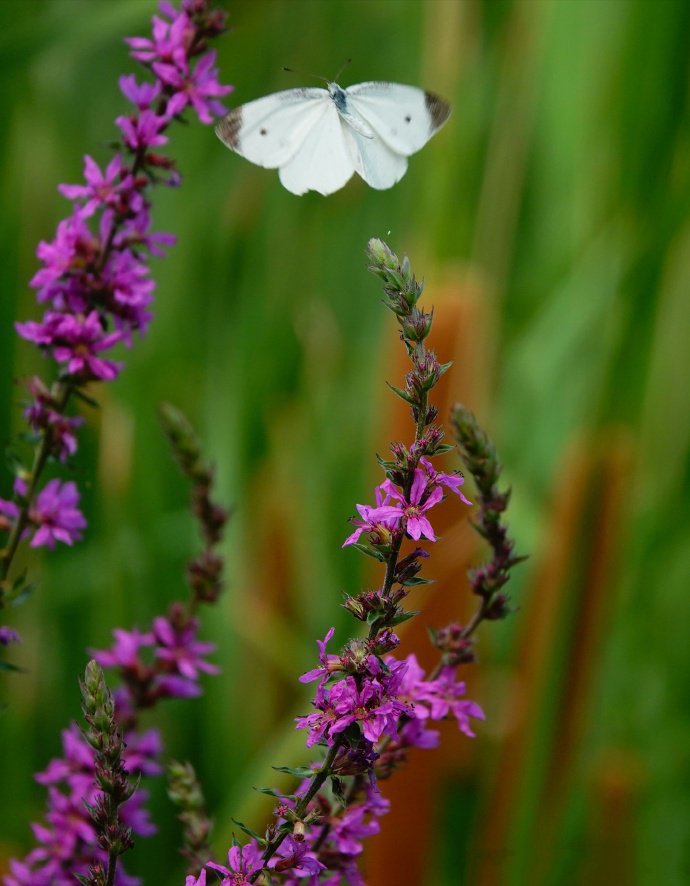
318,138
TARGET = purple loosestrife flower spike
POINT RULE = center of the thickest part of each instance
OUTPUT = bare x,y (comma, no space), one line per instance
95,284
94,278
370,708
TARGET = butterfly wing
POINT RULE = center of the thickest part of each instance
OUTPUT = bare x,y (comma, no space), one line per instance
404,117
324,161
374,161
271,130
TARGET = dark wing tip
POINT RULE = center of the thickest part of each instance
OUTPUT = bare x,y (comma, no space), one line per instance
228,130
438,108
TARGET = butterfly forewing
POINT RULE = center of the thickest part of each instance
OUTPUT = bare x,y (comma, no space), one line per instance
271,130
404,117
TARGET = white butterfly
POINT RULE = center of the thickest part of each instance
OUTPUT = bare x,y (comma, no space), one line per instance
318,138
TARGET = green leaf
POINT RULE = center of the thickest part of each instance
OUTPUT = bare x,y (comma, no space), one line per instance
365,549
417,580
442,448
23,593
80,395
297,771
408,398
338,788
249,832
403,616
273,793
8,666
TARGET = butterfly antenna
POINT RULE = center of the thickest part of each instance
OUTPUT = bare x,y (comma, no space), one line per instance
315,76
342,68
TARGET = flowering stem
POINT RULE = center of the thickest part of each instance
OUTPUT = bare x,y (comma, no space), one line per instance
64,391
300,809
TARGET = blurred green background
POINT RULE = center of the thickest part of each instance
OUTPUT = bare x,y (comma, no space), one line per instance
550,220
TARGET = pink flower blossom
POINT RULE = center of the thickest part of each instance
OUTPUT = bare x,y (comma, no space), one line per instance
197,85
243,861
414,510
450,481
373,520
329,663
56,515
113,188
143,95
179,648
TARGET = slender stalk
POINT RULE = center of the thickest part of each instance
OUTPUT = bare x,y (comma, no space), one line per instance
40,459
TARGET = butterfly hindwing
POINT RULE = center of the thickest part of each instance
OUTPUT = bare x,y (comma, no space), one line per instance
404,117
324,162
375,162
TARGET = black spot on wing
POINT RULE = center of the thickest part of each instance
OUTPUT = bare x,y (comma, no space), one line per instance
228,130
438,108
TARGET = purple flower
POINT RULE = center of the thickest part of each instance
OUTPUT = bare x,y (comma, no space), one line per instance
436,699
42,415
329,663
450,481
94,280
179,648
143,95
124,653
9,512
74,245
143,130
296,856
170,42
197,86
67,839
351,827
416,523
345,703
243,861
56,515
127,289
8,635
113,188
75,340
172,686
373,520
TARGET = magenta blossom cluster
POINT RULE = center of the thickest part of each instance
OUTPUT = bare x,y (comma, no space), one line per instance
334,835
164,662
52,516
94,279
170,666
397,512
386,705
67,840
375,707
383,696
96,289
294,858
